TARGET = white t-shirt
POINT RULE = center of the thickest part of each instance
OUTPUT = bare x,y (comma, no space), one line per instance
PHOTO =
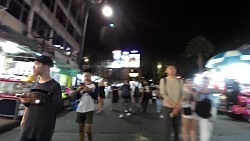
134,84
86,102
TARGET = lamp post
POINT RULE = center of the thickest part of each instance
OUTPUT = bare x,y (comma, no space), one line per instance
89,3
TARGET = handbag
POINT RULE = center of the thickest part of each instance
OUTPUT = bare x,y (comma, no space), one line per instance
187,111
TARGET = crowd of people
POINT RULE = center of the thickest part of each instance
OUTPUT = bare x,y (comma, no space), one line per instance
181,104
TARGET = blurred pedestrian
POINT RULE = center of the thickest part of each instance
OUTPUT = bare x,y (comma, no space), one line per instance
115,96
146,96
205,108
188,107
101,96
137,90
158,102
42,103
85,110
171,91
126,96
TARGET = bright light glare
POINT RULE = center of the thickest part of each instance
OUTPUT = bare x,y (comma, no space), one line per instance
10,47
159,66
236,71
54,69
107,11
198,79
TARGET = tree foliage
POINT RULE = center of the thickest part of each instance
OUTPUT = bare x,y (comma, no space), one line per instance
199,47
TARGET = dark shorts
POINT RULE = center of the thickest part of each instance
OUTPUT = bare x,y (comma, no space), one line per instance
115,98
86,118
102,95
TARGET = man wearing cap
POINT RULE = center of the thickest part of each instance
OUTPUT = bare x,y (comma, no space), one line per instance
42,103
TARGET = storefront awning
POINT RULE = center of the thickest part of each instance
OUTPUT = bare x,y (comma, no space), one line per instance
67,69
12,35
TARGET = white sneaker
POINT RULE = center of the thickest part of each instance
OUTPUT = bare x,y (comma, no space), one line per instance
128,114
125,111
121,116
161,116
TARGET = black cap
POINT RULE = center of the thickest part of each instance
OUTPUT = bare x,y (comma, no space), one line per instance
44,59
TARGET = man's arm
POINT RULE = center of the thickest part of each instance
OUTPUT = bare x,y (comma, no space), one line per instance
24,116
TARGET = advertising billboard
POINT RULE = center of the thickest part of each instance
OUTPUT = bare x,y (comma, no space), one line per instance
125,59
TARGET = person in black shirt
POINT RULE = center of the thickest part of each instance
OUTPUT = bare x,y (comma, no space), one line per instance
115,97
42,104
101,95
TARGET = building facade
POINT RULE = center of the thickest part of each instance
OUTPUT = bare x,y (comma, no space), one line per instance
56,25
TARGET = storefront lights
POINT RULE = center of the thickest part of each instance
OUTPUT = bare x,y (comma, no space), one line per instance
54,69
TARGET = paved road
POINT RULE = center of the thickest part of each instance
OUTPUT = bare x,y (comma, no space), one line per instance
108,127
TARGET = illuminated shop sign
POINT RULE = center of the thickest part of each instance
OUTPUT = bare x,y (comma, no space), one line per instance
125,59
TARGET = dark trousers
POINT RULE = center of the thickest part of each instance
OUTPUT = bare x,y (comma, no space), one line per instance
144,104
171,123
25,139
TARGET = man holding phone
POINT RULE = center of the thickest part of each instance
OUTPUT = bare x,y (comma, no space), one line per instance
86,107
42,103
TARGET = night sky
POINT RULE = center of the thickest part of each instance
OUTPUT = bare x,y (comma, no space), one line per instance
162,28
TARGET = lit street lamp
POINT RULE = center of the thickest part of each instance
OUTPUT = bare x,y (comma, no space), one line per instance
107,11
159,66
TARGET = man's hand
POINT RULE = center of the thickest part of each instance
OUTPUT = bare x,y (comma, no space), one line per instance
176,111
87,89
28,98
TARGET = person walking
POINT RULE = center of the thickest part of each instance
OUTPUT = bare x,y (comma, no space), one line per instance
126,96
171,91
85,110
42,103
137,90
114,97
146,96
158,102
188,107
206,109
101,96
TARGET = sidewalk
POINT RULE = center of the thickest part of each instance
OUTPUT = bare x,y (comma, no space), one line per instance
7,124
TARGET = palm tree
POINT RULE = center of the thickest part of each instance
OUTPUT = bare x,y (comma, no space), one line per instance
200,47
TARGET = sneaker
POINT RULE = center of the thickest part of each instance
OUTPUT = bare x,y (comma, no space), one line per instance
128,114
125,111
121,116
161,116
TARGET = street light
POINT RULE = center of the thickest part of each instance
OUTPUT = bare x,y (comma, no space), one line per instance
107,11
159,66
89,3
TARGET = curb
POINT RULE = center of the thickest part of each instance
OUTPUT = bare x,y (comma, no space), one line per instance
9,126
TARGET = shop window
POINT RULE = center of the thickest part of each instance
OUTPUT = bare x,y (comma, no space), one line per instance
77,38
50,4
73,9
61,16
14,9
70,29
57,40
65,3
19,9
3,3
40,27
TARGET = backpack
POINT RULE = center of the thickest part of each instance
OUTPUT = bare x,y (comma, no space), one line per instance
203,108
125,91
137,91
94,95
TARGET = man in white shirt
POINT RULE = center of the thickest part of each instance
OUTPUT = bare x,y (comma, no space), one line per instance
136,96
86,107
